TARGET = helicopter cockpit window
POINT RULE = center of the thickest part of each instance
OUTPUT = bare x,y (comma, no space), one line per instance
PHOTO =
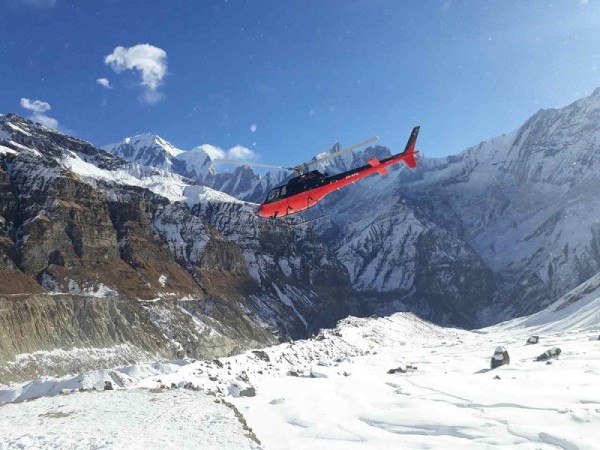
273,195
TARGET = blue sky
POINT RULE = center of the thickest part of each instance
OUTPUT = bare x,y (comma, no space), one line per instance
288,78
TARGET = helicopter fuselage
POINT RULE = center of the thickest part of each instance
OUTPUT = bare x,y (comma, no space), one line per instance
306,190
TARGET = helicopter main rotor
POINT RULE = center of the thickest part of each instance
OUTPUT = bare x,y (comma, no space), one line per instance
300,168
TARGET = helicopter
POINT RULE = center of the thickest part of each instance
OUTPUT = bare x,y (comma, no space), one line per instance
309,187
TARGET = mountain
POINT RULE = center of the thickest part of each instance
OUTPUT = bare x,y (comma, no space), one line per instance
503,229
524,204
147,150
178,269
439,270
197,165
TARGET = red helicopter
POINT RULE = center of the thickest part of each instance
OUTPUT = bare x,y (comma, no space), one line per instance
308,188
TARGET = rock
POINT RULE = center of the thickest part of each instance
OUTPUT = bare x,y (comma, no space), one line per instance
248,392
243,376
497,377
108,386
549,354
277,401
533,340
399,369
260,354
295,373
317,373
500,358
218,363
241,390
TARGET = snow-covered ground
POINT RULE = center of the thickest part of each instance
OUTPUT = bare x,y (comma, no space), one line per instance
334,391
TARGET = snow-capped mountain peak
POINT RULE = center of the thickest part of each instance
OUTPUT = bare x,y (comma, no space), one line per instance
146,149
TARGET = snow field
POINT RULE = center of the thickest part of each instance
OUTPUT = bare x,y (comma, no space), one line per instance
334,391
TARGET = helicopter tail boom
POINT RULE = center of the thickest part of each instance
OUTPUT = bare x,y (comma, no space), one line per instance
374,162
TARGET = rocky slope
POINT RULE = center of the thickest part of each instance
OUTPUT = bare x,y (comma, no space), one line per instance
404,261
75,219
501,230
524,204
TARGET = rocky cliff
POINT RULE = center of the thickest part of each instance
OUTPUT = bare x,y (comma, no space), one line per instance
502,229
155,248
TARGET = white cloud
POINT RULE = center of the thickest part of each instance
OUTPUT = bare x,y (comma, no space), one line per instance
45,120
241,153
148,60
212,151
253,128
38,108
36,105
238,152
104,83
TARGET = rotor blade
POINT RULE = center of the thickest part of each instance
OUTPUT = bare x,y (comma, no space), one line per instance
344,150
244,163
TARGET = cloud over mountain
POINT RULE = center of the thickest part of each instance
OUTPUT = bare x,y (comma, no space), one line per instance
38,108
149,61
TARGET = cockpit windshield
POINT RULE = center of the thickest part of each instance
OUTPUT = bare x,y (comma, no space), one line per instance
273,195
276,193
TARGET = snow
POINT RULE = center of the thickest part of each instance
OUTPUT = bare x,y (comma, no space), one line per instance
24,148
123,419
6,151
198,163
99,290
200,194
578,309
147,140
17,128
162,280
342,395
160,182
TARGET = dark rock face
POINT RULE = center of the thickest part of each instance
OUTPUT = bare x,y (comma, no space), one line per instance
553,353
500,358
533,340
97,332
262,355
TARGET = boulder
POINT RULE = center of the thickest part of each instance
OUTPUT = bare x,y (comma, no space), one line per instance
241,390
398,369
318,373
549,354
108,386
500,358
533,340
260,354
